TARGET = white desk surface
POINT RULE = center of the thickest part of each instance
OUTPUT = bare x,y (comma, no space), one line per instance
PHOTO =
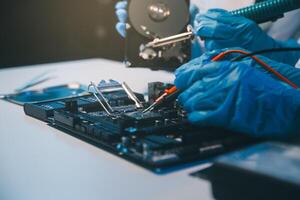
38,162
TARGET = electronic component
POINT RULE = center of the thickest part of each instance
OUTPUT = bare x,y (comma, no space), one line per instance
131,95
157,140
153,19
168,95
45,94
260,12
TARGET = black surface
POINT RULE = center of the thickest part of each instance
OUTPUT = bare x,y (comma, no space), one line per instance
34,31
264,171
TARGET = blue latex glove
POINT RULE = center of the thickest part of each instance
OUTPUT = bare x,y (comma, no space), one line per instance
121,14
220,29
239,96
290,72
196,47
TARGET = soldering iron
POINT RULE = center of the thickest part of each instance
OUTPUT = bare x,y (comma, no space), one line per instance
268,10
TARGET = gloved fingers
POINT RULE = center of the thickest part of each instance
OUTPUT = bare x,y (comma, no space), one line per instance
217,13
290,58
186,78
209,28
257,111
211,15
196,49
121,5
191,65
205,118
194,10
197,62
284,69
214,44
205,85
202,103
288,71
216,108
225,17
209,98
209,92
197,87
207,72
121,28
122,15
230,43
279,67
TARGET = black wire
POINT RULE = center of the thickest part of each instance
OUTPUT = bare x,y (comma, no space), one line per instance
266,51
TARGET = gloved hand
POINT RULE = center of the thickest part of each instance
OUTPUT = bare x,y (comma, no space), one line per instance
239,96
220,29
196,47
290,72
121,14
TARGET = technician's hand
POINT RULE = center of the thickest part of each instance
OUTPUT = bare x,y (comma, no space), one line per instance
121,12
238,96
196,47
220,29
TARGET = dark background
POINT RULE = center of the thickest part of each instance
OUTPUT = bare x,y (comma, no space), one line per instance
43,31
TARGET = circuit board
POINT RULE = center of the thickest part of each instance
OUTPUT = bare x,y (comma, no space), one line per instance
160,140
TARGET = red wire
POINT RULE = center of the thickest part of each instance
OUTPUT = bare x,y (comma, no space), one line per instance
222,55
262,63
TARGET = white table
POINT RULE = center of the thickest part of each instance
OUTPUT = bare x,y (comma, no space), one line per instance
38,162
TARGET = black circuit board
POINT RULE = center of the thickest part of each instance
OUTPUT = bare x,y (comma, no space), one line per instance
157,140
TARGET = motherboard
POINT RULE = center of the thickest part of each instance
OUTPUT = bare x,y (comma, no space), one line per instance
111,117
